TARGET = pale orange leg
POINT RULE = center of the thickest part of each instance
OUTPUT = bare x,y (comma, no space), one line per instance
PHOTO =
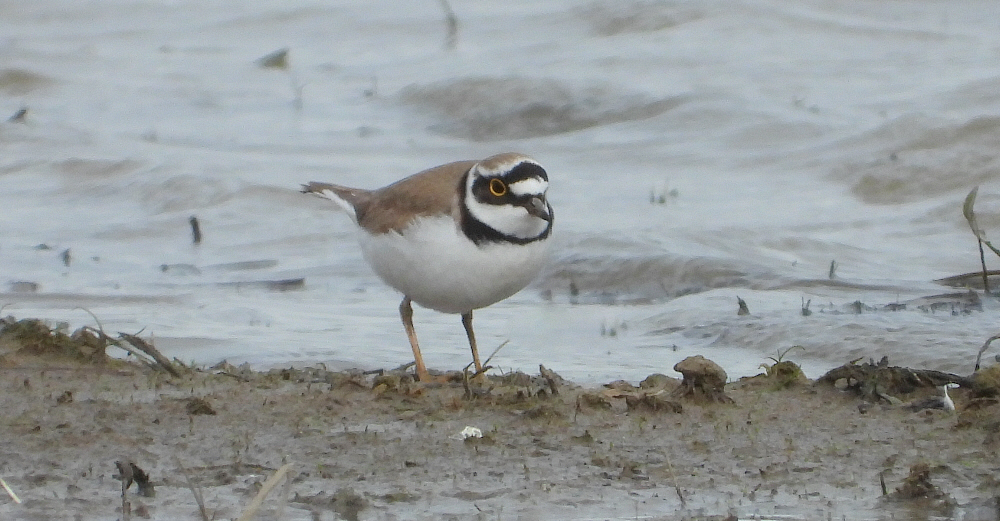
467,322
406,313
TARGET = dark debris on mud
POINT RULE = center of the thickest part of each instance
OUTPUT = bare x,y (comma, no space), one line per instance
880,382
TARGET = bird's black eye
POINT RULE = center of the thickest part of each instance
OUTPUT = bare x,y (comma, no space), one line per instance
497,187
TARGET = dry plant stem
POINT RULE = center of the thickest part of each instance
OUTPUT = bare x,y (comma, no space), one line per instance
486,367
126,507
677,487
465,382
125,475
982,260
100,326
983,349
968,210
196,491
286,492
488,358
9,491
258,500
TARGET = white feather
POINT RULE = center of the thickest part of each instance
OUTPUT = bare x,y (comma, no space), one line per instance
344,205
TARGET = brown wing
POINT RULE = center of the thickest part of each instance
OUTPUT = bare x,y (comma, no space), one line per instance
431,192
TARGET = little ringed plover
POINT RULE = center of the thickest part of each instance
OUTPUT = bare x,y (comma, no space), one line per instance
453,238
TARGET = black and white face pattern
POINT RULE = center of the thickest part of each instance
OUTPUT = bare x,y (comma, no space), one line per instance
505,202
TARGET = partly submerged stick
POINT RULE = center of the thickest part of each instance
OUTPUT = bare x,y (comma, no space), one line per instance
451,40
258,500
195,230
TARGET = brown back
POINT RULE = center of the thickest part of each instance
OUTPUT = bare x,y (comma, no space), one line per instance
434,191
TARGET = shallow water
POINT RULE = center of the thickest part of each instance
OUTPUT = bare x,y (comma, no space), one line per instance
699,151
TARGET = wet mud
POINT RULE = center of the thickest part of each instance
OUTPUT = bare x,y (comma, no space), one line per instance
352,445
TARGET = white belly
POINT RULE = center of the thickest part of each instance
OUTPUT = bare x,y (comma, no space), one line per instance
439,268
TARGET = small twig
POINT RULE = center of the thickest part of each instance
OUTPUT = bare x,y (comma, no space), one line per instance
198,497
91,313
983,349
9,491
258,500
148,348
495,351
486,367
403,368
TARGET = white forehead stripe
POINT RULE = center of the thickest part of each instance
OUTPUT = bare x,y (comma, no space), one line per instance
529,186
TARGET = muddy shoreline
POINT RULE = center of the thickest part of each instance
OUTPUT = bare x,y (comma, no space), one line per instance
380,446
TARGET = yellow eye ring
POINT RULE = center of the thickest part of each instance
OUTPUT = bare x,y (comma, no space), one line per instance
497,187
